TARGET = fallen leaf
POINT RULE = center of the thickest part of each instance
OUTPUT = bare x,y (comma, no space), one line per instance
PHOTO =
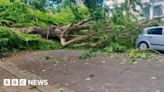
61,89
88,79
122,63
153,78
157,91
43,70
124,60
134,62
103,61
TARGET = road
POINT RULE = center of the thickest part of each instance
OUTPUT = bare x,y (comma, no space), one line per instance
67,73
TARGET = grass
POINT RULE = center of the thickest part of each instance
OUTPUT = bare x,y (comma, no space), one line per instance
87,55
136,55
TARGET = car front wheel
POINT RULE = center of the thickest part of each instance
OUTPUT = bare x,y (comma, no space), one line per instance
143,46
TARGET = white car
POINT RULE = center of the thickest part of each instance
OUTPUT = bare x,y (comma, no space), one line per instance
151,38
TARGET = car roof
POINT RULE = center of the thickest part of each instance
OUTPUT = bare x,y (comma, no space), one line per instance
155,27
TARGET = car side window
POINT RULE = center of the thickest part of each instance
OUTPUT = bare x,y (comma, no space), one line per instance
155,31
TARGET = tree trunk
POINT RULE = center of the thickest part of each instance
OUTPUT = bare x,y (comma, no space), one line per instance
63,33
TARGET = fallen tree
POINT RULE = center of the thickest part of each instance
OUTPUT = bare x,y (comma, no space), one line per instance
64,33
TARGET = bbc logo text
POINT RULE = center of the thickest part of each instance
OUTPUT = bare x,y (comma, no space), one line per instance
24,82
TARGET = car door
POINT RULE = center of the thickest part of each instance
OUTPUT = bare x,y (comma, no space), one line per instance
156,38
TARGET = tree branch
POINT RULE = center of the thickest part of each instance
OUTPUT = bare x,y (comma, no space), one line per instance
65,43
85,21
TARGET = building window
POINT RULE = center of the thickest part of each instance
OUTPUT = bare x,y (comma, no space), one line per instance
146,11
152,0
157,10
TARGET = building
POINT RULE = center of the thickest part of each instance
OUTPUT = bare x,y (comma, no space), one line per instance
153,8
150,8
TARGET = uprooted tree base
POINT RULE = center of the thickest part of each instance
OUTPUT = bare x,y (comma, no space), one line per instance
63,33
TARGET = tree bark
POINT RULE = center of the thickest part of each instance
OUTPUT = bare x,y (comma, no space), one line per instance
63,33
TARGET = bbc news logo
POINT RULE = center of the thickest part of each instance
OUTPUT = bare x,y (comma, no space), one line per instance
24,82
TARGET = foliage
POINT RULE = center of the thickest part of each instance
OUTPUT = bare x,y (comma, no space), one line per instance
37,4
137,54
23,15
115,47
87,55
155,22
72,12
123,30
130,5
11,41
77,13
100,20
92,4
68,15
67,3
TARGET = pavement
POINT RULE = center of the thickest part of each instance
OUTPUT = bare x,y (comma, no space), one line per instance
66,72
7,75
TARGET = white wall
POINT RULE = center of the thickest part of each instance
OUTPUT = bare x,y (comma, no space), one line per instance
112,2
145,1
